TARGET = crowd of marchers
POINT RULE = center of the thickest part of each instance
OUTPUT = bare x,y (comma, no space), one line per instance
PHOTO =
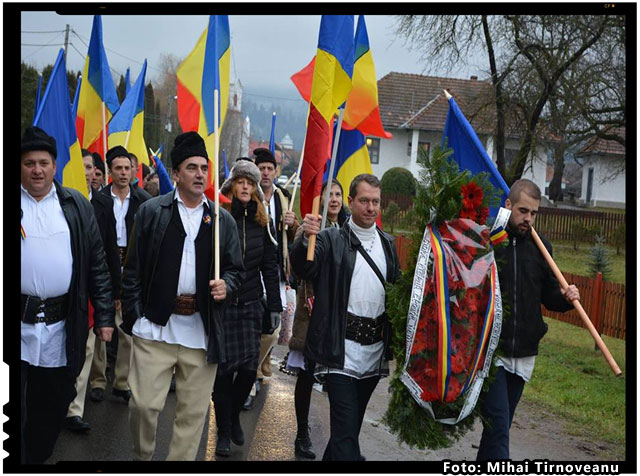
186,298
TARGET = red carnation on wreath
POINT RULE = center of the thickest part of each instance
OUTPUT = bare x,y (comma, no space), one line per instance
471,196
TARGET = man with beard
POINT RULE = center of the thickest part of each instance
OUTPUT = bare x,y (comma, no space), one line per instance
526,282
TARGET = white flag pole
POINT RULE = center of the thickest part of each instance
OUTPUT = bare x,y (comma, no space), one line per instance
216,202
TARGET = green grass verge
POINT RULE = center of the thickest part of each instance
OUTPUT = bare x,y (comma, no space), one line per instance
575,382
575,261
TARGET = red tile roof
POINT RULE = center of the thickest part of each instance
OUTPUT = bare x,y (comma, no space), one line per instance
597,145
418,102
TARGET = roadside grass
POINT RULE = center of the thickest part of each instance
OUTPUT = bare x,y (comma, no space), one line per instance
574,382
575,261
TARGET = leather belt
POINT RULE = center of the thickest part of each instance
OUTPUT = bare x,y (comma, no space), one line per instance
52,309
122,252
185,305
364,330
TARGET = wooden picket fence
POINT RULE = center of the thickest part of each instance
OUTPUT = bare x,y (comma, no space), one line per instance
604,302
558,223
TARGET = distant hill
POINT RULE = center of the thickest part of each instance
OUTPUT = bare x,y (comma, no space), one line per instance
290,109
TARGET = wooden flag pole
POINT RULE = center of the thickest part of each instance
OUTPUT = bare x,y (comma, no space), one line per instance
576,304
332,166
311,249
126,140
104,131
286,184
216,202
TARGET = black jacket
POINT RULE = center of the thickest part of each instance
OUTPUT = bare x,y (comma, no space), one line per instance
89,279
524,273
103,208
278,223
259,256
331,272
137,198
151,271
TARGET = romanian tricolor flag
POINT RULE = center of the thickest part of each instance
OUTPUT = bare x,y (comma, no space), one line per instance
127,125
204,70
329,89
55,118
362,111
98,100
352,159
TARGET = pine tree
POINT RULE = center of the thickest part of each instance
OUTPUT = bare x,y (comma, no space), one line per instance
599,259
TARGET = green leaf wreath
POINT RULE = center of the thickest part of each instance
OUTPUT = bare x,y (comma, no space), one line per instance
438,199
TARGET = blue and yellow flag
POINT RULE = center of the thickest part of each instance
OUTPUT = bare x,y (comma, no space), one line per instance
55,118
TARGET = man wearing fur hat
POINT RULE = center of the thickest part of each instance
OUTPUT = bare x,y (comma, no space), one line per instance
172,304
126,201
285,221
62,264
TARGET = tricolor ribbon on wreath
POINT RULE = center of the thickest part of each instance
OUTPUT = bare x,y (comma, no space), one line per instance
455,314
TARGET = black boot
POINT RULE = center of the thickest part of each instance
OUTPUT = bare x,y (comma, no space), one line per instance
223,446
237,435
303,445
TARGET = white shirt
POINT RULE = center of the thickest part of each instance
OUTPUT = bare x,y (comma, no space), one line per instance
366,300
521,366
187,331
44,274
120,209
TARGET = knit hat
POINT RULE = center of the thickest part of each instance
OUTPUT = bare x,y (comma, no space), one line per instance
35,138
186,145
115,152
97,161
243,168
263,155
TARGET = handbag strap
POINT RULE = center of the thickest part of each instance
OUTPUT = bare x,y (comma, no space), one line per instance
373,265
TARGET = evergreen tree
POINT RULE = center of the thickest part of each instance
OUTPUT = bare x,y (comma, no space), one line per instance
599,259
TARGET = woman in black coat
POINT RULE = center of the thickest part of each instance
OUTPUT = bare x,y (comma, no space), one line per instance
242,321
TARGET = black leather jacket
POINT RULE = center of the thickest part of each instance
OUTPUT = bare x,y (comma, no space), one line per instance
90,276
331,272
151,222
524,273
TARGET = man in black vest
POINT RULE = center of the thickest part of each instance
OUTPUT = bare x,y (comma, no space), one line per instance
172,303
126,200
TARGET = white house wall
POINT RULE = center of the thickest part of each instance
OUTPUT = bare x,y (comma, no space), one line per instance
606,191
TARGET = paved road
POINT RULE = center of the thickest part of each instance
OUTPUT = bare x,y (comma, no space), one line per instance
270,429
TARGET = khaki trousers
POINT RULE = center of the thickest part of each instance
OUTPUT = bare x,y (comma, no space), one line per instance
76,407
98,373
123,361
152,365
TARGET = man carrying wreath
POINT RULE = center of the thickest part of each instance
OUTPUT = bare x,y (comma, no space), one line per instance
526,282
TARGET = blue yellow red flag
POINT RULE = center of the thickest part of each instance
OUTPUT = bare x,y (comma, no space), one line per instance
468,151
98,100
330,87
362,111
55,118
127,125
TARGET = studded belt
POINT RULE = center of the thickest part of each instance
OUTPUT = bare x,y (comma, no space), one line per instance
48,310
185,305
364,330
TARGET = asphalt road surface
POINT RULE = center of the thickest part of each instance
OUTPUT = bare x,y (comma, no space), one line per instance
270,429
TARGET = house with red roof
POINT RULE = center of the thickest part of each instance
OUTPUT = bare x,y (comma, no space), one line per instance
414,109
603,172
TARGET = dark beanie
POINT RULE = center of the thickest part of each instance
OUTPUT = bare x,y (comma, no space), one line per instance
263,155
97,161
35,138
117,151
186,145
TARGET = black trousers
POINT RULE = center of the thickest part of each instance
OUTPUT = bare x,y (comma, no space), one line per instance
45,395
348,399
229,393
302,397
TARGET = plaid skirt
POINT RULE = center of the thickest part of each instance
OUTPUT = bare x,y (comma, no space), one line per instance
242,329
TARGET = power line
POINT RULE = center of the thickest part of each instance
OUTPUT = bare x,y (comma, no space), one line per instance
54,31
48,44
78,51
272,97
41,44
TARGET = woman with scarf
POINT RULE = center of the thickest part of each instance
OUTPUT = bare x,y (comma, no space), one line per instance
243,318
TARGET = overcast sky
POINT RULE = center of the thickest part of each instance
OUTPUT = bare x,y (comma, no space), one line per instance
266,49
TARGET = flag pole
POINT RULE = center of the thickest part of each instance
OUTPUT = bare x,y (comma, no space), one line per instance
447,95
297,182
104,131
576,304
332,166
286,184
216,146
126,140
316,200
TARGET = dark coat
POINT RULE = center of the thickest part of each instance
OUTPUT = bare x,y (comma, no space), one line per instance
524,273
103,208
259,258
331,272
89,279
137,198
151,271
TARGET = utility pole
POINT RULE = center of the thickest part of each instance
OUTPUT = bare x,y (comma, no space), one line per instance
66,42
